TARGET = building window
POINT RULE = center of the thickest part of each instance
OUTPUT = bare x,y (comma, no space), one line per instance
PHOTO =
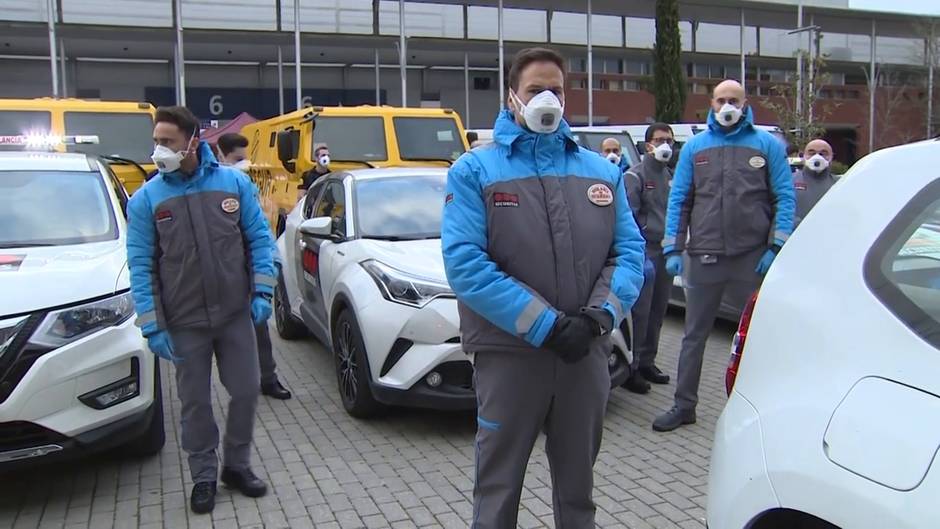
578,84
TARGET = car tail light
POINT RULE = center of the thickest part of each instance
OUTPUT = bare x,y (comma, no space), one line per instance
737,344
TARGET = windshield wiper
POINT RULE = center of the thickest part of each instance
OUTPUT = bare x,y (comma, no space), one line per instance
448,161
396,238
24,245
363,162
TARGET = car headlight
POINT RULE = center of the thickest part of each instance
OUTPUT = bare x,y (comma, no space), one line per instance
405,288
68,325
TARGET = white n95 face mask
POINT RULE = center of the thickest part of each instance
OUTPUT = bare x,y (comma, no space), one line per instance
729,115
242,165
817,163
324,160
166,159
613,158
663,153
542,114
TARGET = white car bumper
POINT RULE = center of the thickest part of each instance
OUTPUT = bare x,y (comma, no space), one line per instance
406,345
54,406
738,486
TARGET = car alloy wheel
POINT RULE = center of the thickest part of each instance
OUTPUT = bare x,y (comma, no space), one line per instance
347,367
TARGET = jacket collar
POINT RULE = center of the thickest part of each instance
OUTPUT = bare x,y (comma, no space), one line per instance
807,173
506,132
745,123
206,159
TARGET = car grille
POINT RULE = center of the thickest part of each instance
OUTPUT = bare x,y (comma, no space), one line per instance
20,434
18,356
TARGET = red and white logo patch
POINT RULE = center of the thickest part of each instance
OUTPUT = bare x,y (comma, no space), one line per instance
230,205
800,186
505,200
164,215
600,195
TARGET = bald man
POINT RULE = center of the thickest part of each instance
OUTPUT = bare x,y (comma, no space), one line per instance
815,179
730,208
613,151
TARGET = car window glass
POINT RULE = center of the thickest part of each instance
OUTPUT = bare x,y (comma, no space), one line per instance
310,199
54,208
905,272
23,123
360,139
126,135
333,204
403,207
428,139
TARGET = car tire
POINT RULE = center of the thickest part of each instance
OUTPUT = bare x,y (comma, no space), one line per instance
151,441
288,327
352,369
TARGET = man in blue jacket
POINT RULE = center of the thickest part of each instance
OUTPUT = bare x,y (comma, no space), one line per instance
542,251
202,272
733,195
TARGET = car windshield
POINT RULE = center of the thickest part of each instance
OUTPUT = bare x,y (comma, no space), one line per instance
127,135
351,139
23,122
400,208
593,140
428,139
54,208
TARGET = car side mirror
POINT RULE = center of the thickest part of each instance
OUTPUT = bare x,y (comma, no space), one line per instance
320,228
288,146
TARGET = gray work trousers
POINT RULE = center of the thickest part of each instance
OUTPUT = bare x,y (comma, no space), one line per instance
233,345
522,393
650,311
266,355
734,277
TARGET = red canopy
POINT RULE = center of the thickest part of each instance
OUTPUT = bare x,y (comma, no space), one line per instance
211,136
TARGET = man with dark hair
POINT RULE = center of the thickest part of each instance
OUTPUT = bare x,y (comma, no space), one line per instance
545,259
232,151
648,190
472,137
199,253
321,153
731,208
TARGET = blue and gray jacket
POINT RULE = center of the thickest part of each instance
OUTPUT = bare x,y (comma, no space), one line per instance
197,247
732,192
535,227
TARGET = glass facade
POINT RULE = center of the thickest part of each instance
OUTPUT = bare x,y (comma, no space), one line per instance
421,20
126,13
640,32
331,16
230,14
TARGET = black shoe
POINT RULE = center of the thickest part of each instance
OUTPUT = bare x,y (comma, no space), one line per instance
673,419
202,500
637,384
654,375
244,481
275,390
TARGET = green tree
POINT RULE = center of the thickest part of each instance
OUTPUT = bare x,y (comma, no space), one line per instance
669,86
802,123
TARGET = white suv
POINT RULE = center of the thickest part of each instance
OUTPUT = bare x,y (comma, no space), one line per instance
363,272
75,375
834,414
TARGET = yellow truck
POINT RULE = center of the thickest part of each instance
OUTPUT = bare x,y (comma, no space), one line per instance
281,148
124,130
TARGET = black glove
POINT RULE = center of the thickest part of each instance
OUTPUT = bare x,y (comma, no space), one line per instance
571,337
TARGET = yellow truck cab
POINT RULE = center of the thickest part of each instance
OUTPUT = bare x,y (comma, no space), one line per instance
124,130
281,148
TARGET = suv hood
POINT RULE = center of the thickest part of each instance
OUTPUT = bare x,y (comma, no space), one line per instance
422,258
42,277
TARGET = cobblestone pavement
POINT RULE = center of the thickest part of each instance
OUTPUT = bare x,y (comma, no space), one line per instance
409,469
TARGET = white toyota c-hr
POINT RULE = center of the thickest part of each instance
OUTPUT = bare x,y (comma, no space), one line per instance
833,418
363,272
75,375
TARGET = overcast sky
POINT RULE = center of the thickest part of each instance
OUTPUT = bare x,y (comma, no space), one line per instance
912,7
